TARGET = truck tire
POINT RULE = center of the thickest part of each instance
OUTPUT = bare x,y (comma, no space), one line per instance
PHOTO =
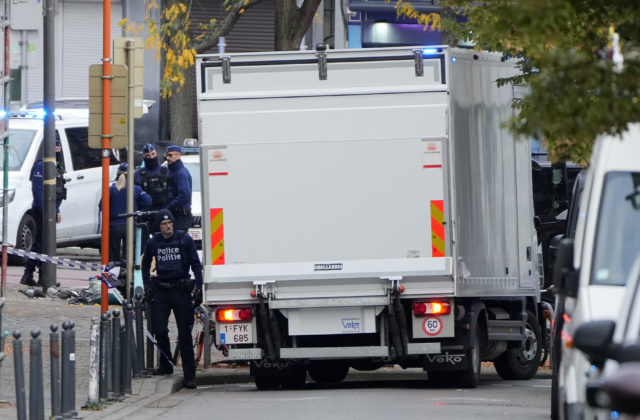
328,372
296,379
24,238
467,378
522,362
267,382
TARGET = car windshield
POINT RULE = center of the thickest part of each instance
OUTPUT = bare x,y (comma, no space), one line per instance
618,229
194,170
19,144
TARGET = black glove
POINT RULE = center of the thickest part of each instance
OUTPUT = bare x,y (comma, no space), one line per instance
187,285
197,297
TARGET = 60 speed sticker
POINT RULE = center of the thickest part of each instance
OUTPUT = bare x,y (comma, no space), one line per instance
432,325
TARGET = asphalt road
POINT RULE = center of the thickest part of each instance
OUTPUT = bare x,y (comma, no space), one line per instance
369,396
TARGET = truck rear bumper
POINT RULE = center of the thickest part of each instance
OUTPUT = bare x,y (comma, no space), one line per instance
323,353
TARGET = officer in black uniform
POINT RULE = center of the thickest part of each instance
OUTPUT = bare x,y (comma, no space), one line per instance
175,253
153,178
37,210
180,187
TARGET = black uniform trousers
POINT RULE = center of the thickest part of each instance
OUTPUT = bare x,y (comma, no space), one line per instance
38,215
117,242
177,300
183,221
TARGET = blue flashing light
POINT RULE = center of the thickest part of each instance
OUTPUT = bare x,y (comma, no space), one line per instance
3,113
429,51
615,415
593,368
453,59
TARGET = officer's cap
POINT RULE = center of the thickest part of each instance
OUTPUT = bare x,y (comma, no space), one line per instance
58,143
173,148
163,215
122,168
148,148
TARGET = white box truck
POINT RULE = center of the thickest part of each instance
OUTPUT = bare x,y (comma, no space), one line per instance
365,208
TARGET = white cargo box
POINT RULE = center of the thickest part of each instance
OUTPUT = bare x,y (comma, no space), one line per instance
395,168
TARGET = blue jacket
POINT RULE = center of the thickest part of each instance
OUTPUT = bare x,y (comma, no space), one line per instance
174,257
118,203
37,186
180,183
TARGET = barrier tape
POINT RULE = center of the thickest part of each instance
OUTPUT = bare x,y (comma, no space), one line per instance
65,262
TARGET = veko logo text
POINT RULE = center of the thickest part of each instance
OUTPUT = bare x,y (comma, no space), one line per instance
453,359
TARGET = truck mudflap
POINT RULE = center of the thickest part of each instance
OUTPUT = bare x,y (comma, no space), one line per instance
308,284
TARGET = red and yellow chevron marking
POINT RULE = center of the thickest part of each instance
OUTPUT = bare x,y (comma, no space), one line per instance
217,237
437,228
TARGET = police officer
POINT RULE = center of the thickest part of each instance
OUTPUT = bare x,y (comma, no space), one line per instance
175,253
37,210
153,178
180,188
117,206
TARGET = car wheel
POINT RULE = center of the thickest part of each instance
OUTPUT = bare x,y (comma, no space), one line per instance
25,237
522,362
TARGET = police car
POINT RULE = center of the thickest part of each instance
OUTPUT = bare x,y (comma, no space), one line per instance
80,225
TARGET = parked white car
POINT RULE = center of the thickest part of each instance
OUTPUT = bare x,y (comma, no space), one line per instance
80,225
612,346
596,266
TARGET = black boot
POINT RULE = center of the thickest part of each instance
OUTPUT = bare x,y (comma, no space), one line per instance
27,278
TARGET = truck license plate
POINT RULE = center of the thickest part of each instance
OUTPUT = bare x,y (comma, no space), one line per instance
240,333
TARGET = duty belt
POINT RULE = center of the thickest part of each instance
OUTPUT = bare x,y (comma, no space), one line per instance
166,284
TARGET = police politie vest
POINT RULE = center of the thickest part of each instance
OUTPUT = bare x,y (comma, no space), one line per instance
155,184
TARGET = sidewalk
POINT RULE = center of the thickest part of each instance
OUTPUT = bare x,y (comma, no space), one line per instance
25,314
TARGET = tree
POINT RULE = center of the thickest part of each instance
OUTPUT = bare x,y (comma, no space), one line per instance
565,48
177,42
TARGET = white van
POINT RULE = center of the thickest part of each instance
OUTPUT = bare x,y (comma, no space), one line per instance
595,268
80,225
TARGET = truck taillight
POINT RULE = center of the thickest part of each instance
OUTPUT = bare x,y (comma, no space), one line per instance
431,308
234,315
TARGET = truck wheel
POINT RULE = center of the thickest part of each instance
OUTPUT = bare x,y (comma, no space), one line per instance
467,378
522,362
25,237
327,372
296,379
267,382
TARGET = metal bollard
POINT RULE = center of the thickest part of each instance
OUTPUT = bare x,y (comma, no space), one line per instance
92,399
104,366
124,348
18,368
115,353
129,351
139,335
36,392
109,355
54,353
150,350
68,371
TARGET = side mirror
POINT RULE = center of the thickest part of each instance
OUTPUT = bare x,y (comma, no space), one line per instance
594,340
621,391
565,277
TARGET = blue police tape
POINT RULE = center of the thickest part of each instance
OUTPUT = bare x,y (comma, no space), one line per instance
65,262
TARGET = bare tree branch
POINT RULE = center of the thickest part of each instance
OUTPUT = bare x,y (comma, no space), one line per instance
211,39
307,12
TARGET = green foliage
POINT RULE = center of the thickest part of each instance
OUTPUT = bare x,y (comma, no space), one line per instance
575,93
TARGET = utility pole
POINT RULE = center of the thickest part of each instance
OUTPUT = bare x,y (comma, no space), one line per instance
106,142
48,270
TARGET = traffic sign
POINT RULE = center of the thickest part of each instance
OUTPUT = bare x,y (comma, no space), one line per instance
119,101
121,56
